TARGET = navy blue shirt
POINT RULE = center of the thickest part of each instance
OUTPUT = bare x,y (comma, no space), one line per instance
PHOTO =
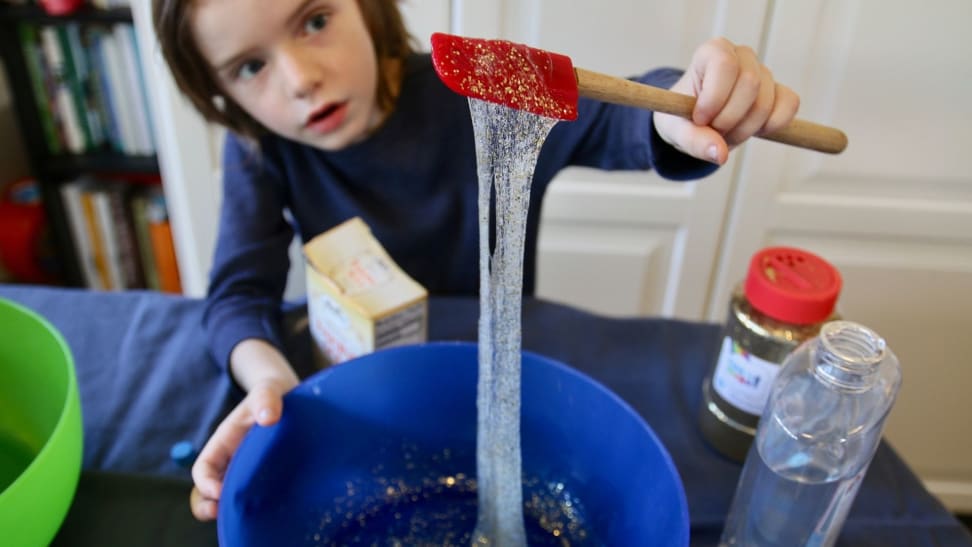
413,182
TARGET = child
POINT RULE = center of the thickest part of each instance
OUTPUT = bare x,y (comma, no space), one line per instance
332,115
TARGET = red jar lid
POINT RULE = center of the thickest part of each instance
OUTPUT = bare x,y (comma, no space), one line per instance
792,285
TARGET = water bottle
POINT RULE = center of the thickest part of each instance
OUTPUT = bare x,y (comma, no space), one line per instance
817,435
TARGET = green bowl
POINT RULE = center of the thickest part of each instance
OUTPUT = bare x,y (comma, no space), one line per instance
40,428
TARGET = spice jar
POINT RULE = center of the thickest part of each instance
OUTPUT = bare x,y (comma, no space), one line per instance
788,294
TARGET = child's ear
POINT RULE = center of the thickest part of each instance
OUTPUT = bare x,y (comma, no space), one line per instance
219,102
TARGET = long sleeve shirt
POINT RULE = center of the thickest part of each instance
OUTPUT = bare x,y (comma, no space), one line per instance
413,181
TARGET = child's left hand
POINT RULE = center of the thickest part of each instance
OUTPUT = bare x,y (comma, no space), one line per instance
737,98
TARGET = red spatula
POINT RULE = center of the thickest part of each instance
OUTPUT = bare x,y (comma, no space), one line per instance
547,83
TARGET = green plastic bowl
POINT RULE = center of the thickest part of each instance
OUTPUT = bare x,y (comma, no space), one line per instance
40,428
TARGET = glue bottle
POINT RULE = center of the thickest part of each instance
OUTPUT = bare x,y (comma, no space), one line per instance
818,433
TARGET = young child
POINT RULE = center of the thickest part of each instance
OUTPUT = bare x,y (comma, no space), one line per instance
332,115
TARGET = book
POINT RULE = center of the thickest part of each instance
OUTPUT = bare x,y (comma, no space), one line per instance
77,225
137,109
36,69
137,74
101,86
109,236
110,222
76,50
94,231
128,254
140,221
63,98
124,108
163,248
72,78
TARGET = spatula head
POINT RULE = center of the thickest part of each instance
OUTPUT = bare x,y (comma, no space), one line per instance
507,73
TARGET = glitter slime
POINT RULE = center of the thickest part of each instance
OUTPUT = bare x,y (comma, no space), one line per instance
508,142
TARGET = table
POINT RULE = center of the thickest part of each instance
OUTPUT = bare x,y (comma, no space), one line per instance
147,382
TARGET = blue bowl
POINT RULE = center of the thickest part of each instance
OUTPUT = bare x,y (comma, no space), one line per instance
362,444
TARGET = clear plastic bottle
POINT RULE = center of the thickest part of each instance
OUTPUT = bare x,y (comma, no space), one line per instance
816,437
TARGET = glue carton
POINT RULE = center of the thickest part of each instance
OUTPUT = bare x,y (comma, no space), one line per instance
358,299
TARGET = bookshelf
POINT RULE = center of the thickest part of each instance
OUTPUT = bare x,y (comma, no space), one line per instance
78,87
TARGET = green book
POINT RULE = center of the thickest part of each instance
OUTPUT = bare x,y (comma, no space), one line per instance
71,76
30,45
63,103
78,53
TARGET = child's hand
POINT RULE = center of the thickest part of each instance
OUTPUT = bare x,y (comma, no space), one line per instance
263,405
265,374
736,99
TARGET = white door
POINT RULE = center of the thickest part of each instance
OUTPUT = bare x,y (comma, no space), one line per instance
893,212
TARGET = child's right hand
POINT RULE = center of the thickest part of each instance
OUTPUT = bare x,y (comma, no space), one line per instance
265,374
738,98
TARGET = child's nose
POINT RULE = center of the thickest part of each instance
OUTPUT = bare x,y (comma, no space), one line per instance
300,72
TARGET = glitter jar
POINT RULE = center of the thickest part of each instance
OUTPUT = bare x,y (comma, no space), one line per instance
788,294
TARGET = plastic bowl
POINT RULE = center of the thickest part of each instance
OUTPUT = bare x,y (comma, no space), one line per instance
361,441
40,428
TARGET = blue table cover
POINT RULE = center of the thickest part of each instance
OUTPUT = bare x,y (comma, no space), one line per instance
148,382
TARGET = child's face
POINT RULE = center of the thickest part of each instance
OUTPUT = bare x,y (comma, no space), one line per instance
305,69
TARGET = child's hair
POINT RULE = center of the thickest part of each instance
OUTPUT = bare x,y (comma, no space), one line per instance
196,80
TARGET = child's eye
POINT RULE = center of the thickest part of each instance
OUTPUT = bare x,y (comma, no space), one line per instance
248,69
315,23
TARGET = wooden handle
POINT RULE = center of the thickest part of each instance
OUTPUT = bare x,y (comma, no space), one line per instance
620,91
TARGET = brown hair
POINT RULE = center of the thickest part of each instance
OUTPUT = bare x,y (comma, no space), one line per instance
196,80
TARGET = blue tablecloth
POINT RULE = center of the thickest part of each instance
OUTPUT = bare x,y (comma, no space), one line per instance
147,382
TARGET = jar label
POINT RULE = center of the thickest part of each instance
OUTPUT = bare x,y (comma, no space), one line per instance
743,379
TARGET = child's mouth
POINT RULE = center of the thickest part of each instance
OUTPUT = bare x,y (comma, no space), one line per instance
327,118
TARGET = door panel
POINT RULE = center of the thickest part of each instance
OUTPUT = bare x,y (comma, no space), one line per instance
609,256
893,212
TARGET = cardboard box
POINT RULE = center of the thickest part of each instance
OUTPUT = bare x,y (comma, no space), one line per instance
358,299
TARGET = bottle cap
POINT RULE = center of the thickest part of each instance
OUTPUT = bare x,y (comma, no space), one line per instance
792,285
183,453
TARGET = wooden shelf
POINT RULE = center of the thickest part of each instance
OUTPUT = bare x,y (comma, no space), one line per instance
87,14
69,166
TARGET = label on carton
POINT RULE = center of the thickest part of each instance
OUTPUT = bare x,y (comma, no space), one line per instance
362,272
332,330
358,299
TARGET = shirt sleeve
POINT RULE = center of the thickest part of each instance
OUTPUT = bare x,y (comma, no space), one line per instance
249,272
614,137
